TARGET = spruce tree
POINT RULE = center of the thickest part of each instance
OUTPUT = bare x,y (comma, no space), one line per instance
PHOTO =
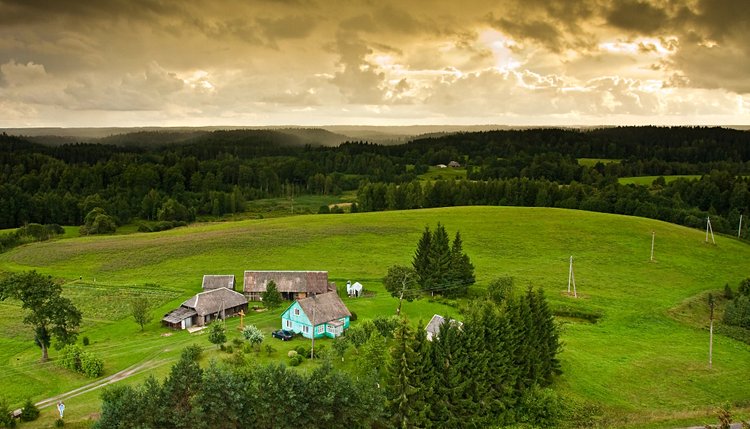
421,261
550,339
461,269
401,387
439,261
423,376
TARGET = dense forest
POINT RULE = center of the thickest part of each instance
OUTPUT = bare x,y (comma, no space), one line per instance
218,172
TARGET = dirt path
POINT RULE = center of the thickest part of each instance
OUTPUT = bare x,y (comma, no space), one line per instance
106,381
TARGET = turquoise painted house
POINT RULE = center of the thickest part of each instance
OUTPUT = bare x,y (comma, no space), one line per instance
324,314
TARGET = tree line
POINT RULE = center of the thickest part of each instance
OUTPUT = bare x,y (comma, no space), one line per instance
216,173
720,195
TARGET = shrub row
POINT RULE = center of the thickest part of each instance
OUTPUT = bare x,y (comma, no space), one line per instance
74,358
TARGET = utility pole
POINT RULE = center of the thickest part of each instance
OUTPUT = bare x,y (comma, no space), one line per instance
653,235
709,229
572,277
739,228
711,332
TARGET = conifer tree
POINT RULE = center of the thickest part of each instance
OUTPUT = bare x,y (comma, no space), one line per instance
439,258
402,388
461,269
421,261
550,343
423,376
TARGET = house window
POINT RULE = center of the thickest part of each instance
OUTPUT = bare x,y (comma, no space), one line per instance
306,329
319,329
296,311
288,323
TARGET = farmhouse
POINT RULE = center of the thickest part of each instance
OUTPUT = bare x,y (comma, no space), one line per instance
291,284
205,307
433,328
324,314
454,164
211,282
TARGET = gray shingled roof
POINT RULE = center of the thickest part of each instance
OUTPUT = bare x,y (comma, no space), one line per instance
434,326
287,281
327,307
178,315
213,301
211,282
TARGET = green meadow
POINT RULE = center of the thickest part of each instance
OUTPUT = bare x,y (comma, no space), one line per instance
448,173
648,180
590,162
642,363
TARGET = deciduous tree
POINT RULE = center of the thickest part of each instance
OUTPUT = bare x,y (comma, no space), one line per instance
141,310
50,315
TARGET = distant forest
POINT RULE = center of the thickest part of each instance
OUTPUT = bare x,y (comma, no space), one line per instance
216,173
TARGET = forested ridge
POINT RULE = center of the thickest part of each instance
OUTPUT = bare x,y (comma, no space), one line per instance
215,173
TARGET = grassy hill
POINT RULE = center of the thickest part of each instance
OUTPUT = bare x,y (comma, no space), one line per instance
641,366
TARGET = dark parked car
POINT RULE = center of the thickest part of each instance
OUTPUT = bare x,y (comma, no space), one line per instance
283,335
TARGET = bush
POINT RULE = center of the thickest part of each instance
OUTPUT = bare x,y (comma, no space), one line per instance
85,341
29,412
541,406
295,360
5,418
386,325
737,312
237,342
75,359
728,292
59,423
91,366
324,210
269,349
292,353
353,317
229,349
301,350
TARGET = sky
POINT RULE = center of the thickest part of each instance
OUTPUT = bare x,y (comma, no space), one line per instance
96,63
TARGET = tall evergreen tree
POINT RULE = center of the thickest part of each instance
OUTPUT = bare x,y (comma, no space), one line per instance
421,261
438,279
402,388
423,378
550,339
461,269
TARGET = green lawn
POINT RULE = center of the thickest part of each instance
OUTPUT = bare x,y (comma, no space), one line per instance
590,162
648,180
448,173
640,363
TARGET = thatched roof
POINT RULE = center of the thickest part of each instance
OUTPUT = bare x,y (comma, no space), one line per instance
211,282
325,307
287,281
213,301
178,315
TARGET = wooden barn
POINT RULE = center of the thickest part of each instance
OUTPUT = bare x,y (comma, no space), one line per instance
211,282
324,315
205,307
291,284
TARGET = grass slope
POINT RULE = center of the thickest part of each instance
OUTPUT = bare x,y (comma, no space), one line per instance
641,365
648,180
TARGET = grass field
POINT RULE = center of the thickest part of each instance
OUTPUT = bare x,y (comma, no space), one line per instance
641,363
448,173
590,162
648,180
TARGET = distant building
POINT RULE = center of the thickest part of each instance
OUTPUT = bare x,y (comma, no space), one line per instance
211,282
291,284
319,315
441,166
454,164
433,328
205,307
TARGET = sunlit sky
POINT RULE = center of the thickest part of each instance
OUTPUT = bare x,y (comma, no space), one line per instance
381,62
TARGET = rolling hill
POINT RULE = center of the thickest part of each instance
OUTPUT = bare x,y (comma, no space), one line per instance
642,367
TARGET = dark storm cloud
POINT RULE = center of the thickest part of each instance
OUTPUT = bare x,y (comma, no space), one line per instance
637,16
